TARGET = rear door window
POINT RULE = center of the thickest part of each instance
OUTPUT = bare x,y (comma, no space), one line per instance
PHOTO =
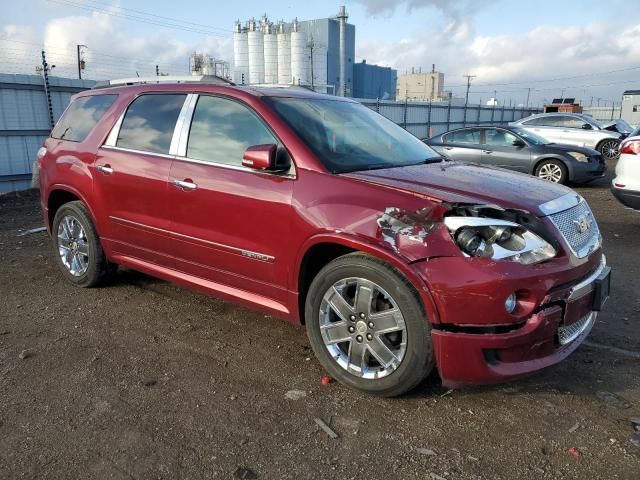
471,136
149,123
81,117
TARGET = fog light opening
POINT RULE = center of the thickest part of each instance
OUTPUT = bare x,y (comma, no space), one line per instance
510,303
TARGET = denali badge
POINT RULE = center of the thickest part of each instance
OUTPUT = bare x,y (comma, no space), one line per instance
583,223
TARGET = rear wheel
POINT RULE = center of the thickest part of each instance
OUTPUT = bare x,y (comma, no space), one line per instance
609,149
367,326
552,171
76,246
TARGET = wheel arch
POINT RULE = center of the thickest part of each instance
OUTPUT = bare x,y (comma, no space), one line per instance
321,249
61,194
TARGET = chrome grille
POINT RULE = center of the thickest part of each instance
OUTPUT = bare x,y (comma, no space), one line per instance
568,222
569,333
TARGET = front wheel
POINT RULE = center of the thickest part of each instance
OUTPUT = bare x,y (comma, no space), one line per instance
609,149
552,171
367,326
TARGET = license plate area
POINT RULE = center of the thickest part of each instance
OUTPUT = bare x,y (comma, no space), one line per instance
601,289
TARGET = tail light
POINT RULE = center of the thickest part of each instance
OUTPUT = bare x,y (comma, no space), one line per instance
631,148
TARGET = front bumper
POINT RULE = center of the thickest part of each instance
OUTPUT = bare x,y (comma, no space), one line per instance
547,336
583,172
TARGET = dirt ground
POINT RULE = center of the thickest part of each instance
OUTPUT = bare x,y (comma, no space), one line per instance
142,379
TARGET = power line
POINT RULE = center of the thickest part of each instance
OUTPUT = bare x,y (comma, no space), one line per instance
138,18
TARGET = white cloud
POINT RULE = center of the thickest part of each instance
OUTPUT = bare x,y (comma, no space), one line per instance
545,52
112,50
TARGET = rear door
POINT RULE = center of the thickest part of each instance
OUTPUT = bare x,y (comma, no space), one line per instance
463,145
500,151
131,177
230,223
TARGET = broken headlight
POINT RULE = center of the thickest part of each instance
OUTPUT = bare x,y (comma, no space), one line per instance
498,240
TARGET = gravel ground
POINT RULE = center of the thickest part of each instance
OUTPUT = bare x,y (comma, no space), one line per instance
142,379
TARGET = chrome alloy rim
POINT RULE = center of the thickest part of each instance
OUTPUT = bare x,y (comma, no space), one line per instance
550,172
609,149
362,328
73,246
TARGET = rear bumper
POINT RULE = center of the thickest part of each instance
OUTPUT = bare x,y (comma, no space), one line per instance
629,198
471,355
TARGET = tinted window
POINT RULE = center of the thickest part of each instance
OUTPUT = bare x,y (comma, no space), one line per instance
347,136
542,122
463,136
571,122
81,116
149,123
499,138
221,130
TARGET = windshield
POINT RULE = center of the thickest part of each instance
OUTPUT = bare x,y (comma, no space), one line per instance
347,136
530,137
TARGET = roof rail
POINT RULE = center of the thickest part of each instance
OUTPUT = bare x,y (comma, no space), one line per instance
213,79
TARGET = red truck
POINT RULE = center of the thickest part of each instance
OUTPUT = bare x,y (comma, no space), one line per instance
318,210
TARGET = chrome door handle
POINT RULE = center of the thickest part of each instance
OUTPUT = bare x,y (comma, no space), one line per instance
487,151
106,169
448,148
184,184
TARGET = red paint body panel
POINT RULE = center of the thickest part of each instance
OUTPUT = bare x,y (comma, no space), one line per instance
243,235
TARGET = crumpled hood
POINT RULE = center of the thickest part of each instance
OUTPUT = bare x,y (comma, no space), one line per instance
458,182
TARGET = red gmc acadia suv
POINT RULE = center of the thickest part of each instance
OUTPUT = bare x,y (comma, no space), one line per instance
318,210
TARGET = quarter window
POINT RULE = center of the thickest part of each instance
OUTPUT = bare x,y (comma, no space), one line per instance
81,116
149,123
221,130
463,136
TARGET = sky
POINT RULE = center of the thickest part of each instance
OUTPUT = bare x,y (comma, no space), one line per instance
588,49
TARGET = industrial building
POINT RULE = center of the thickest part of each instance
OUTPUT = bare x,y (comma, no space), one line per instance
314,53
318,54
203,64
630,110
421,87
373,81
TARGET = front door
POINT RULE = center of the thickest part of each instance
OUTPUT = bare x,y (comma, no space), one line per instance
230,224
499,150
131,179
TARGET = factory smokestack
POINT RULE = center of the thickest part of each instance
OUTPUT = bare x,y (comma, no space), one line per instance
342,18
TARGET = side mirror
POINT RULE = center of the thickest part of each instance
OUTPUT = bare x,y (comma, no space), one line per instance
587,126
260,157
519,143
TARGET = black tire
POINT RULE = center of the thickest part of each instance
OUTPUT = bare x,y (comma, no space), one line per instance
555,165
609,148
418,360
97,266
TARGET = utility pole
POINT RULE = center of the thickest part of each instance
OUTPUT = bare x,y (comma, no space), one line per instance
47,91
528,95
157,71
469,78
81,62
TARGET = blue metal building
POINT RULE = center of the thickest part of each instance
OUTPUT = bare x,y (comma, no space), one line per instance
373,81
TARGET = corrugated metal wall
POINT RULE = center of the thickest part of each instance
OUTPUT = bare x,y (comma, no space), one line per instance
424,119
24,122
604,114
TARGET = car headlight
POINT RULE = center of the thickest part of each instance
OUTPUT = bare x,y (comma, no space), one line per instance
498,240
581,157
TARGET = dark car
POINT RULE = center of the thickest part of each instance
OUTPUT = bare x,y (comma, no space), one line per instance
518,149
317,209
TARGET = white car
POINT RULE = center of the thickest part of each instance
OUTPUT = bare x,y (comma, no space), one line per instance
576,129
626,186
